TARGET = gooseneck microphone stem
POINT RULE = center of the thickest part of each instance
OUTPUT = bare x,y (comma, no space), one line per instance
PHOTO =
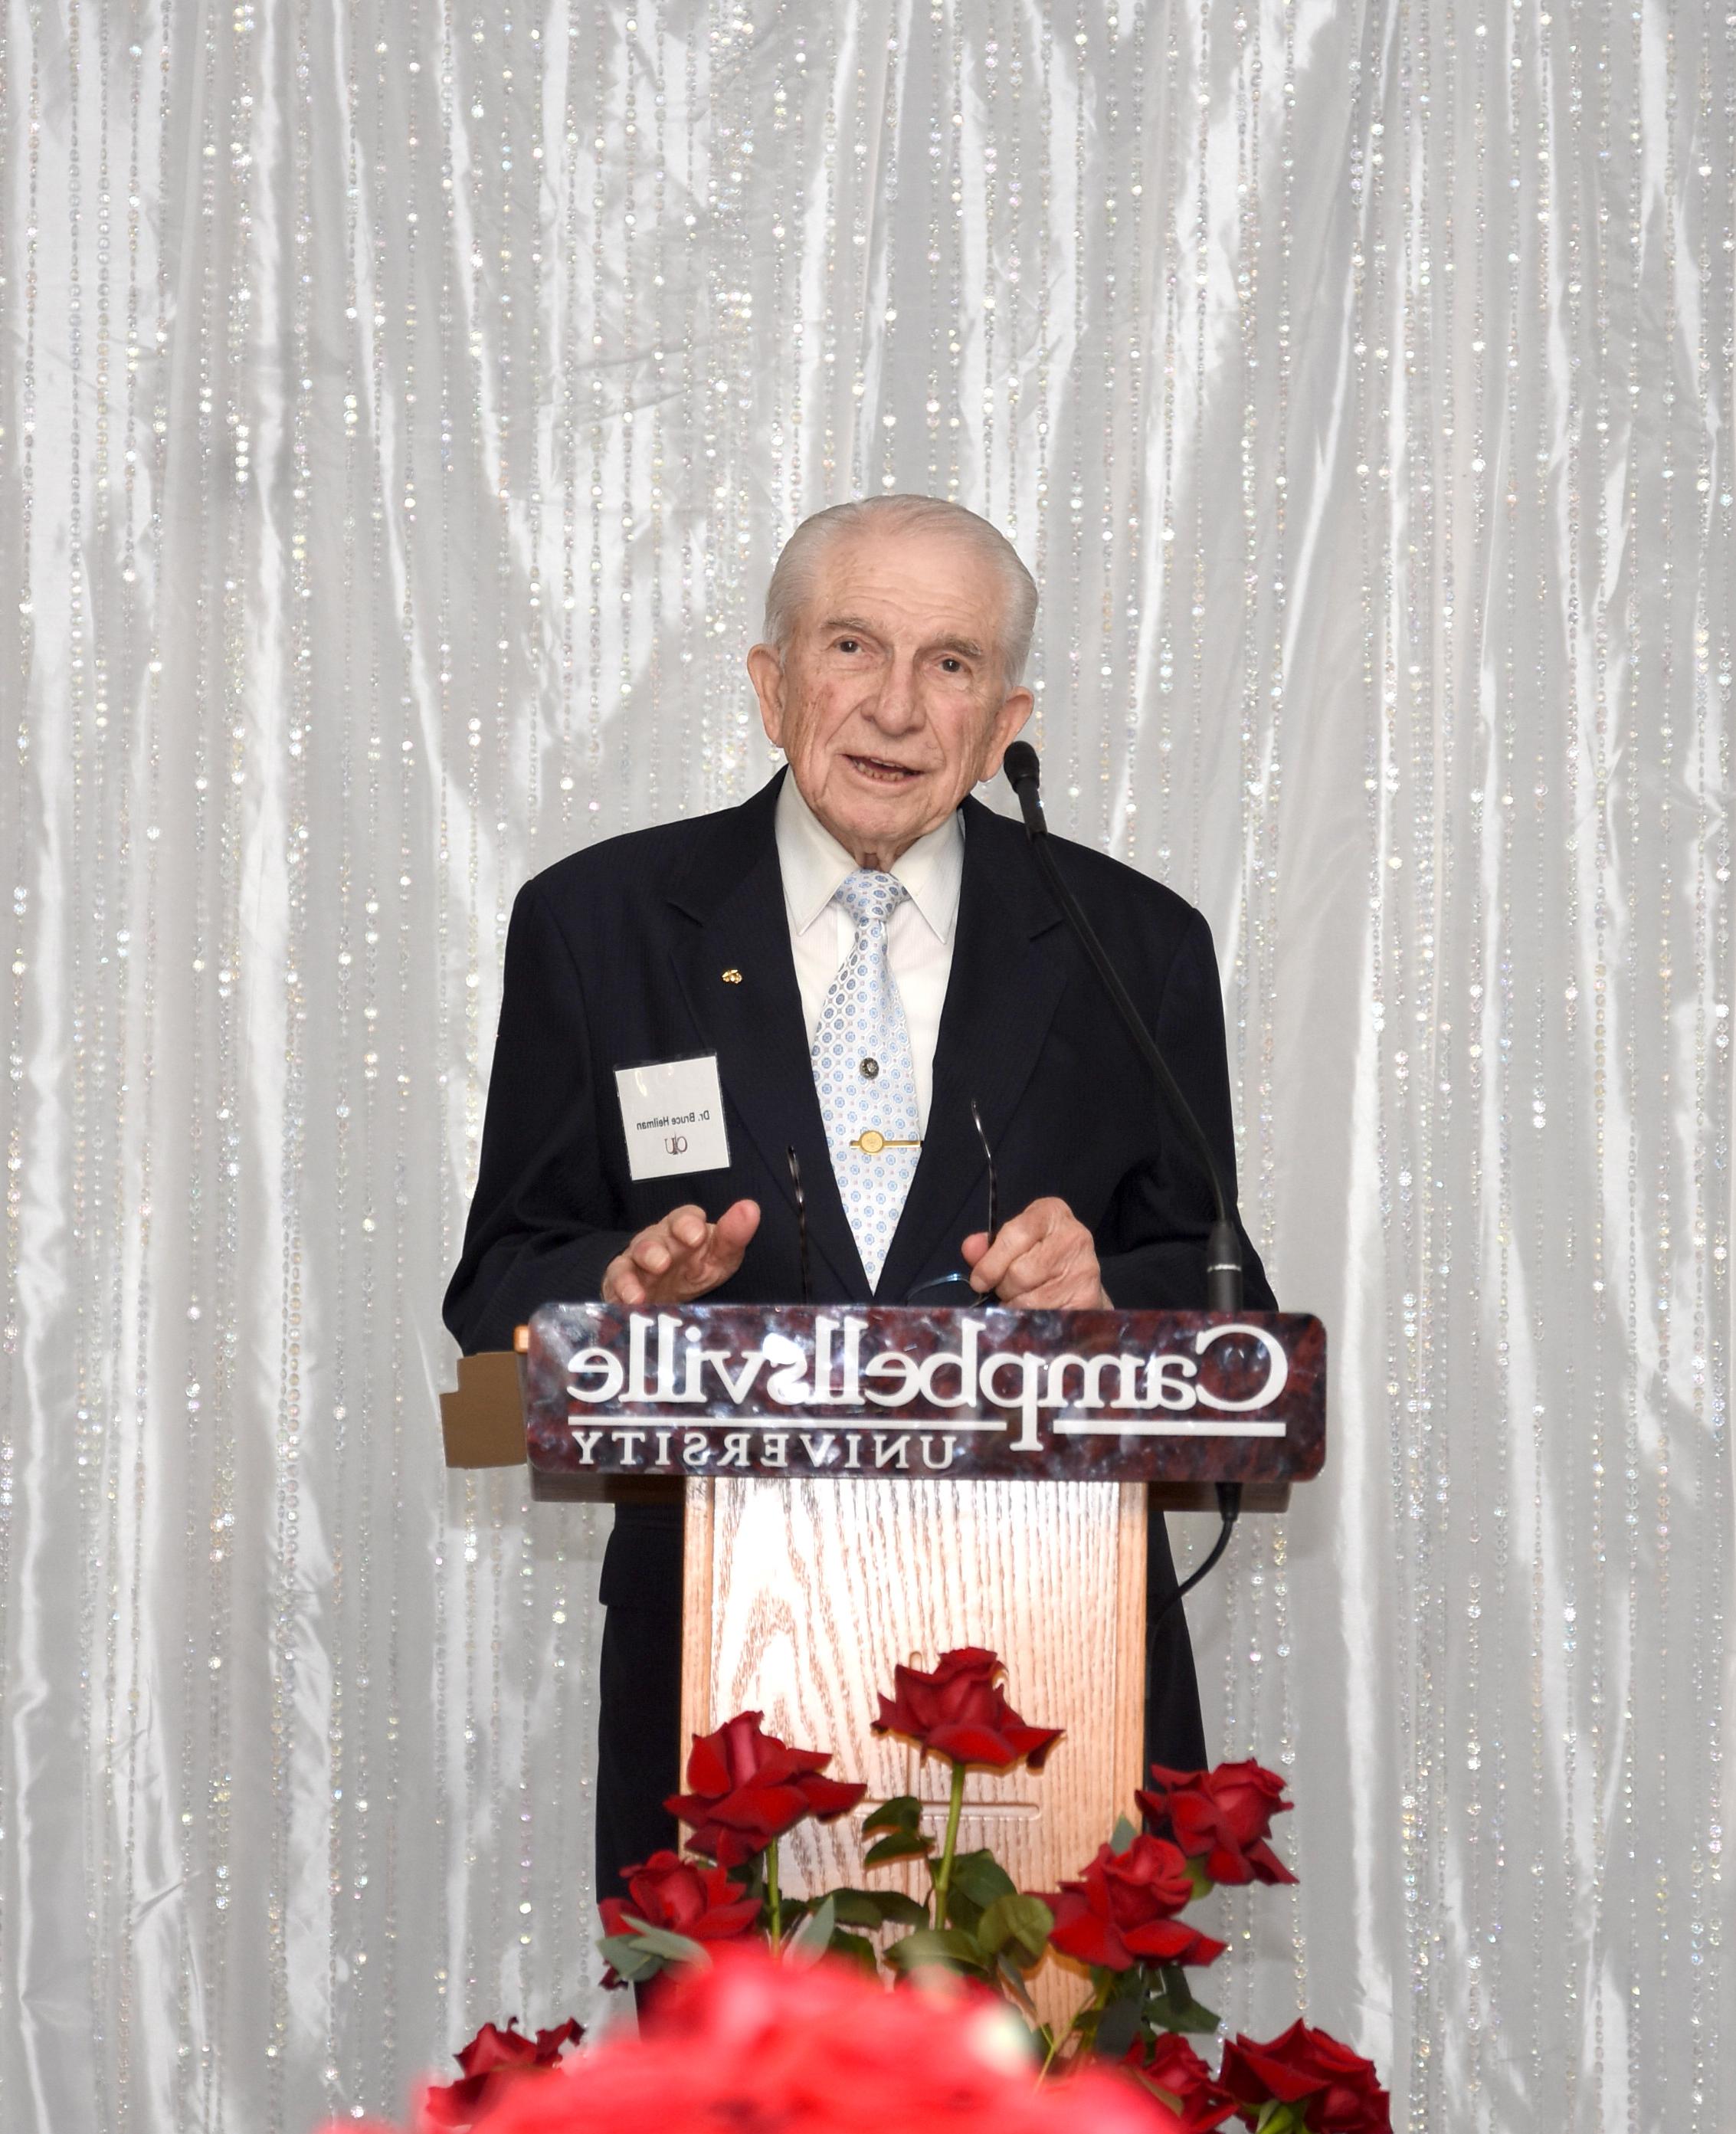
1223,1242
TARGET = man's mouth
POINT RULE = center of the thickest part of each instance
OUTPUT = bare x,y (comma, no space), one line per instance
883,771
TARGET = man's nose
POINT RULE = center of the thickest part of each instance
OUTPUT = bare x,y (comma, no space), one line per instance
897,709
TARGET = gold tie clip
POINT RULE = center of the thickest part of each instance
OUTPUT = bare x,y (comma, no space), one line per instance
871,1141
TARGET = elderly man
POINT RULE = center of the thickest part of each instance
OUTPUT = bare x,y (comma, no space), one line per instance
866,954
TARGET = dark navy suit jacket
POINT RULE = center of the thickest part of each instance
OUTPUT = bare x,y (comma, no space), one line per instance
616,957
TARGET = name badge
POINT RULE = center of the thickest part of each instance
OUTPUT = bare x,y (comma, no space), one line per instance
673,1112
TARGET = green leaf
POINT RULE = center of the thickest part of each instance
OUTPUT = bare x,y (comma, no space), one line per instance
1018,1925
676,1948
878,1908
944,1945
1173,2006
1012,1982
1276,2118
903,1812
1118,2027
1122,1837
629,1957
857,1949
813,1939
1203,1883
962,1911
982,1878
901,1845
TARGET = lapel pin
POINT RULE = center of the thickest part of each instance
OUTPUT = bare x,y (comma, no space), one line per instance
732,977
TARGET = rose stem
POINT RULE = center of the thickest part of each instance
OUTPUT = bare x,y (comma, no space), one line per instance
944,1873
771,1892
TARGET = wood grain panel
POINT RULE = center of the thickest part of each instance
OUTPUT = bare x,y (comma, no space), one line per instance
802,1596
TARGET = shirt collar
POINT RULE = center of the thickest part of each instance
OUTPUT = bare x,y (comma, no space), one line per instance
813,863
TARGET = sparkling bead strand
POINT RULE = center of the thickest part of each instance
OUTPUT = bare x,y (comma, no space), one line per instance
1013,252
1037,558
138,448
396,477
885,300
111,617
1665,1812
345,2072
1068,609
958,438
365,358
1169,208
1599,1636
1573,751
1509,1753
292,779
84,1061
1266,1188
224,1416
1197,478
622,247
1111,826
24,126
1713,973
1138,565
567,421
1636,1939
537,401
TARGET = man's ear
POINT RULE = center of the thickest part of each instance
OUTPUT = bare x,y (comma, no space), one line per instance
765,671
1015,710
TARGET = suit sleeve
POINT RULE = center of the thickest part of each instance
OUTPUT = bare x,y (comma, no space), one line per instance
1152,1246
541,1225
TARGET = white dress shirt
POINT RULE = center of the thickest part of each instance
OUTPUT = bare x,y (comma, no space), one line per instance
919,936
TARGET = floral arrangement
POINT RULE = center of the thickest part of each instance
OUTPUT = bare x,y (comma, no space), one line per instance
974,1939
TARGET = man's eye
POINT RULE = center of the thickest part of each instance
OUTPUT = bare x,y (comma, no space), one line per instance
951,665
850,645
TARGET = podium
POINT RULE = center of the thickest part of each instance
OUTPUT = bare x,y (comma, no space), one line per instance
871,1484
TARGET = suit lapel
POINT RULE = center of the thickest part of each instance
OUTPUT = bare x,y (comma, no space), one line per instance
1008,972
733,899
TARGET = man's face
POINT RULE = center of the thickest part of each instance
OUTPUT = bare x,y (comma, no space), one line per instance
889,700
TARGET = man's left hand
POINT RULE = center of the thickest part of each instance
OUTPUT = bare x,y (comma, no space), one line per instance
1044,1257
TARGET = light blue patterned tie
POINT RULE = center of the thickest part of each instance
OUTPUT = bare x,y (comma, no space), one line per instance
865,1075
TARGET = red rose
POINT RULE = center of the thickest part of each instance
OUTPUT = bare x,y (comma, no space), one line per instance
493,2060
701,1902
748,1788
1123,1912
1222,1817
958,1712
1183,2081
752,2042
1337,2090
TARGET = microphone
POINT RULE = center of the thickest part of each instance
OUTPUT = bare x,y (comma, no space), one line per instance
1223,1244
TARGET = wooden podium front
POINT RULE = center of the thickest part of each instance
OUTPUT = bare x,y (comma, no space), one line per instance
871,1485
801,1597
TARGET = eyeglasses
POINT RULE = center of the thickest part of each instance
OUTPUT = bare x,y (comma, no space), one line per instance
953,1291
795,1187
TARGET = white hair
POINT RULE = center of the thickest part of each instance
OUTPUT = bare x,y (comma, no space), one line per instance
792,575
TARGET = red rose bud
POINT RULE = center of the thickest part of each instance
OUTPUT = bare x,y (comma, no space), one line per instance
1123,1911
492,2059
1221,1818
747,1788
959,1713
1336,2090
683,1895
1182,2080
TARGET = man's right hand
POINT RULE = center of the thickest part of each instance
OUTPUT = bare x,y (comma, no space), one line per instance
681,1256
